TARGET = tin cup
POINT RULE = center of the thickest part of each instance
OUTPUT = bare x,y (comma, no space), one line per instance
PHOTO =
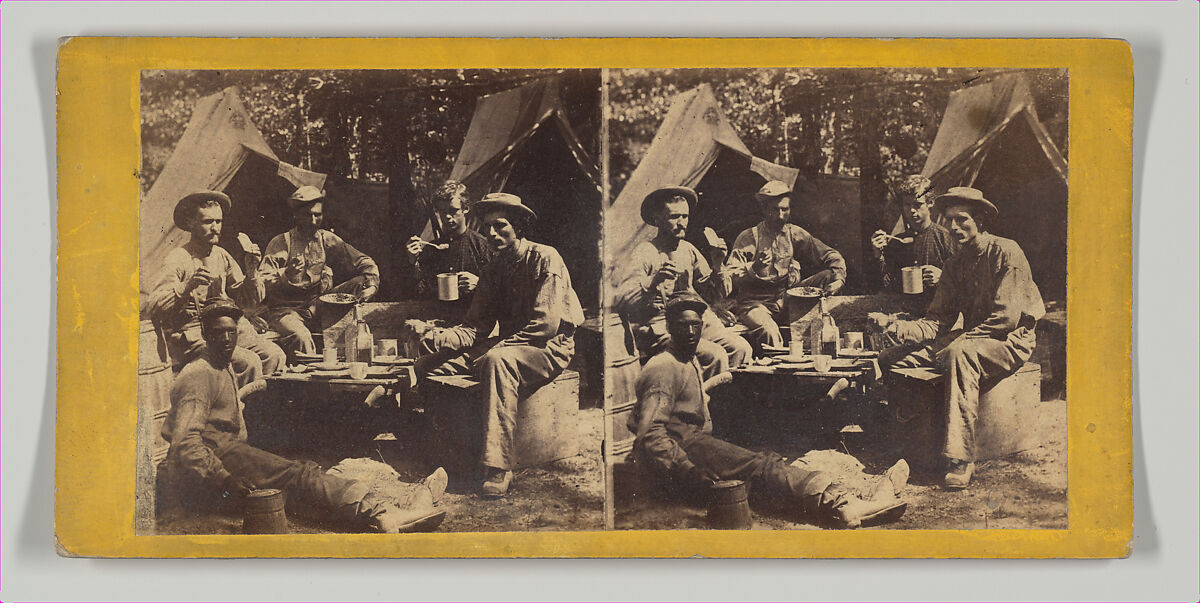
822,362
912,279
799,330
447,283
329,355
386,347
852,341
358,370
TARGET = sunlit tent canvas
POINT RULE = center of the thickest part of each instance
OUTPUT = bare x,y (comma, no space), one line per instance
991,139
222,150
695,146
520,142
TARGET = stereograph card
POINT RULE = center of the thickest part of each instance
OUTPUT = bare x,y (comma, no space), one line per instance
594,298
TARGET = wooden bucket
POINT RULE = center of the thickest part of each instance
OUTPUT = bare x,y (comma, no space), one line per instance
729,506
263,513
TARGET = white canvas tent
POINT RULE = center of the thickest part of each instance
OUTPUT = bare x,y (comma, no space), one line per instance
695,146
222,150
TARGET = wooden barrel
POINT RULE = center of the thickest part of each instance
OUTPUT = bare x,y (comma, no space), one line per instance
620,380
154,402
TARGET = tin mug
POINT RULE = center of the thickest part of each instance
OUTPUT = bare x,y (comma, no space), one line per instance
447,283
912,279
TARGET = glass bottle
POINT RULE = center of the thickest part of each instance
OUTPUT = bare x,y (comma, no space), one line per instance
829,332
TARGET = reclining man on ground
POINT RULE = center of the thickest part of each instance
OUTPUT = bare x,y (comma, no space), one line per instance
988,283
674,441
526,292
208,453
666,265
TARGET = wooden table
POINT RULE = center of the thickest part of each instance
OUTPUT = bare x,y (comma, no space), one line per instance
401,381
768,405
300,411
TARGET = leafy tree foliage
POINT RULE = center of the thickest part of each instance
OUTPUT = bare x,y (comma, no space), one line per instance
876,124
374,125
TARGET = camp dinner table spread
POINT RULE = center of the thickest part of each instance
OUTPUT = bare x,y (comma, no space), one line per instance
792,370
393,378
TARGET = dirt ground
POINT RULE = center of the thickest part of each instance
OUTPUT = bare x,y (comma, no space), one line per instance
1024,490
564,495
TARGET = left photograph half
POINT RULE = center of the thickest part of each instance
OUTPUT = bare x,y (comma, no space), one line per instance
369,301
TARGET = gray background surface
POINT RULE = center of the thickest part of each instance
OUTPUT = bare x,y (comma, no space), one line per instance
1163,565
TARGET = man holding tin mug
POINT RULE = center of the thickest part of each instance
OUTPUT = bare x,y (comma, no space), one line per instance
525,296
989,284
924,244
456,248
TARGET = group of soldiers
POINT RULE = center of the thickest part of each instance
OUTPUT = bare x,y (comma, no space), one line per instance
520,317
979,326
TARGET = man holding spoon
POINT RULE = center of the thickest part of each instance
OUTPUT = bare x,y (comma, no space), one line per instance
923,243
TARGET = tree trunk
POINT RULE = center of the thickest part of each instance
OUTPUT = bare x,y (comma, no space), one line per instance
871,187
405,212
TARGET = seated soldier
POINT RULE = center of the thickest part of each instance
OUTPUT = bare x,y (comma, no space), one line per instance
302,264
202,270
988,283
667,264
208,452
526,292
774,256
924,242
466,254
459,248
674,440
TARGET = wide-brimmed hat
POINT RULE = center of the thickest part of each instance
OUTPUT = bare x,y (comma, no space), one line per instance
772,190
686,300
502,201
305,194
655,200
963,195
183,209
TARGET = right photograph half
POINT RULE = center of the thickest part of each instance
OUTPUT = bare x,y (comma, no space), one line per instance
836,298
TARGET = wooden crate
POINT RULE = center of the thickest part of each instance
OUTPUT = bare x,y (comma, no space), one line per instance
547,420
1003,425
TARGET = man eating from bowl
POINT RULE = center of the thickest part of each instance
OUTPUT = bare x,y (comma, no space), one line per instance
774,256
302,264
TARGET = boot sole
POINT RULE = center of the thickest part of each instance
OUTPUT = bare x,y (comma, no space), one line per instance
885,515
424,524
